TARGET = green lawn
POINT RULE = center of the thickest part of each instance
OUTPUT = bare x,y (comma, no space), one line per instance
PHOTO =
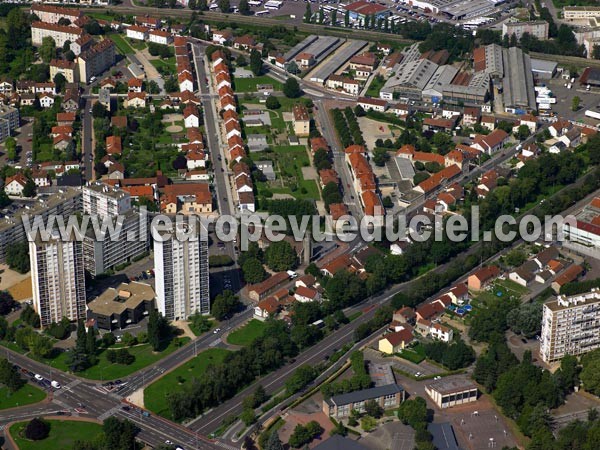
277,120
289,160
166,64
63,434
100,16
104,370
122,45
414,354
155,395
249,84
248,333
286,103
375,87
27,395
510,285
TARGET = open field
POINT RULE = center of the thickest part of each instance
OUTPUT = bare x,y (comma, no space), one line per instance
27,395
289,161
122,45
155,395
63,434
249,84
104,370
247,334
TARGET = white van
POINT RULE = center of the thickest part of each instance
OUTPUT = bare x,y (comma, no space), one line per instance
55,384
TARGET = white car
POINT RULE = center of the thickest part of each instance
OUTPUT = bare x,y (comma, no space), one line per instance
168,442
216,330
38,377
55,384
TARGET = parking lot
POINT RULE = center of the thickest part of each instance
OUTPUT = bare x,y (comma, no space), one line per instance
564,100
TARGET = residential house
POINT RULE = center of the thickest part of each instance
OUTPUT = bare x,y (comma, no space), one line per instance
160,37
191,116
392,343
492,142
46,100
135,85
14,185
375,104
441,332
301,120
137,32
136,100
482,277
113,145
221,37
306,294
266,308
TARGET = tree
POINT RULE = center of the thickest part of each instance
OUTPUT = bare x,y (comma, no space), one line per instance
321,16
372,408
244,7
202,5
59,81
347,18
10,144
158,329
47,50
256,63
99,111
224,305
7,303
17,257
37,429
224,6
152,87
413,412
248,416
272,102
526,319
280,256
308,14
274,443
241,61
334,17
380,156
291,88
253,271
9,376
368,424
192,4
29,190
575,103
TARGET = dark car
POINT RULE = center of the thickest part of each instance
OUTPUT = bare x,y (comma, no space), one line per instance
125,408
524,341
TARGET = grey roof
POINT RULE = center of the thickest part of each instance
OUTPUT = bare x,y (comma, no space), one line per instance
443,436
539,65
518,79
366,394
405,167
337,442
323,46
440,79
299,47
340,57
414,74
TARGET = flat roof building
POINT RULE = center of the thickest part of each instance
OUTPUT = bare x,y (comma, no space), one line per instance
340,406
570,325
126,305
449,392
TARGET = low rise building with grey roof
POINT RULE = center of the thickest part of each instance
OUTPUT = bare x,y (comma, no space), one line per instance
257,142
518,87
410,80
452,391
442,77
340,406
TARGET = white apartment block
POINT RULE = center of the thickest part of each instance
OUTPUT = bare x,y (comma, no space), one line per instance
52,14
9,120
137,32
102,255
182,276
580,12
570,325
105,201
58,279
537,28
60,34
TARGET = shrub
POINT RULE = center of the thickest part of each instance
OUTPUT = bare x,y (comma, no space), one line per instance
37,429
